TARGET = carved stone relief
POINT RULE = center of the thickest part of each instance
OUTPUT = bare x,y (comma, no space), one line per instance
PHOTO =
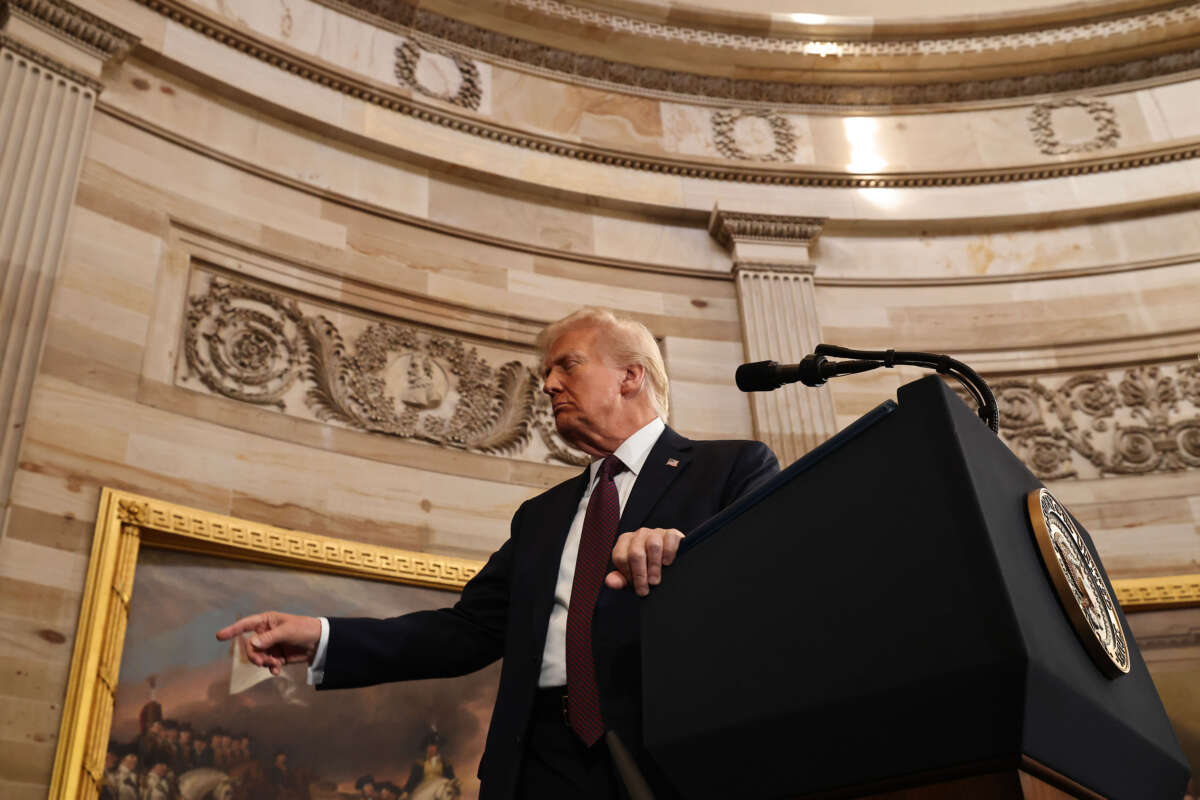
730,137
439,73
1132,421
259,346
1051,138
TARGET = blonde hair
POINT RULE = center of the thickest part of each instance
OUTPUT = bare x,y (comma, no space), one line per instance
629,342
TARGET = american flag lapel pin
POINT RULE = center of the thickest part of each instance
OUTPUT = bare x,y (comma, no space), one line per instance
672,462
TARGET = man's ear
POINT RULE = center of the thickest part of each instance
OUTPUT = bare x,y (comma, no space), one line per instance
633,380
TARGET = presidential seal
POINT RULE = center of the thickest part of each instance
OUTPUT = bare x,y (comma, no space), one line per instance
1079,580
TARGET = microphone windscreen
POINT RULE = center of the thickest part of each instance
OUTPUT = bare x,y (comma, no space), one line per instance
759,376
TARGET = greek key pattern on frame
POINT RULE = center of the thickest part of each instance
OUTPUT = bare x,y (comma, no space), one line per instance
1131,421
255,345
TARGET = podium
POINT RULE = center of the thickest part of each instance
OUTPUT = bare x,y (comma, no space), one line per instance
878,621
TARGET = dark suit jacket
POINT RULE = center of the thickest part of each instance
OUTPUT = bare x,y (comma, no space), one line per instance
504,610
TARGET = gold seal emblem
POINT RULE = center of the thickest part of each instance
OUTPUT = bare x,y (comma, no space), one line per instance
1079,580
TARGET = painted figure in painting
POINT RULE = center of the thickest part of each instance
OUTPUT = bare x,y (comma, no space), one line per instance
553,600
432,777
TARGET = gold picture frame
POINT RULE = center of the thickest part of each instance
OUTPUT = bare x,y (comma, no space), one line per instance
124,523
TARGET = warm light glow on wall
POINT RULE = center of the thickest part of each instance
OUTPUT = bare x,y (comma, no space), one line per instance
882,198
808,19
861,134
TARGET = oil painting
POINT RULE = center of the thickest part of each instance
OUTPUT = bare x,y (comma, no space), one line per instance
195,711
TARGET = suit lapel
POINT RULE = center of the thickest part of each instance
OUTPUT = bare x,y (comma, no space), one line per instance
657,474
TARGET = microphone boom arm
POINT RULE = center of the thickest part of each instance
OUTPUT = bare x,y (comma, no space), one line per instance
819,366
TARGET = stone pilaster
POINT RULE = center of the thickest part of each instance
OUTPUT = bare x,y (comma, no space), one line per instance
51,55
779,321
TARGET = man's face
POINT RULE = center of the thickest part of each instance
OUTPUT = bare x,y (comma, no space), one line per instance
584,387
368,790
129,762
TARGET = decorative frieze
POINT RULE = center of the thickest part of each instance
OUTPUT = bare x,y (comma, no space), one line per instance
1131,421
384,13
1052,141
260,346
870,47
662,82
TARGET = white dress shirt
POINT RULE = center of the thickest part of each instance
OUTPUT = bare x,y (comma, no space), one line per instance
633,453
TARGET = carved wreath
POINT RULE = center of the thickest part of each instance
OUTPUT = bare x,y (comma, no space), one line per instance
250,344
470,89
724,130
1041,125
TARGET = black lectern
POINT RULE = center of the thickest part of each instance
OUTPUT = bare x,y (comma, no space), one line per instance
879,618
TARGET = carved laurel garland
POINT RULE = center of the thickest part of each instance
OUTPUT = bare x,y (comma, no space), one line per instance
470,91
725,135
1041,125
251,344
1133,421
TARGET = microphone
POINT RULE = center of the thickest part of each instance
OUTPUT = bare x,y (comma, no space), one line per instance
763,376
813,370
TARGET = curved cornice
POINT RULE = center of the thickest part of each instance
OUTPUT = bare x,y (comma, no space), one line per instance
785,23
917,40
1065,58
79,26
706,169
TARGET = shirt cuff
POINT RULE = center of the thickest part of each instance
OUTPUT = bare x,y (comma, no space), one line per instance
316,670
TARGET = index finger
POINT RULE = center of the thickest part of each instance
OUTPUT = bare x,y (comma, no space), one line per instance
241,626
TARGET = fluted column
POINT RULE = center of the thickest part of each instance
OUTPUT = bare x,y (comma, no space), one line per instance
779,322
51,54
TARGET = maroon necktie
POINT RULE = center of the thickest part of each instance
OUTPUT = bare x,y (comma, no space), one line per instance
595,552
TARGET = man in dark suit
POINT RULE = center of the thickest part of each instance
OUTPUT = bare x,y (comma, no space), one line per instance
568,633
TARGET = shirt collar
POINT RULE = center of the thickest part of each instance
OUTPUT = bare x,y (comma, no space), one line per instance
634,451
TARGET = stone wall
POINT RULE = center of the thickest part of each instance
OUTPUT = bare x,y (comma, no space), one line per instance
299,284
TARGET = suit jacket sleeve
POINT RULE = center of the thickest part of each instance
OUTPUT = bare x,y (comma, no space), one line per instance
426,644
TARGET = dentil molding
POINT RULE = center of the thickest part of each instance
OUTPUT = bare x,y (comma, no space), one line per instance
732,227
74,24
